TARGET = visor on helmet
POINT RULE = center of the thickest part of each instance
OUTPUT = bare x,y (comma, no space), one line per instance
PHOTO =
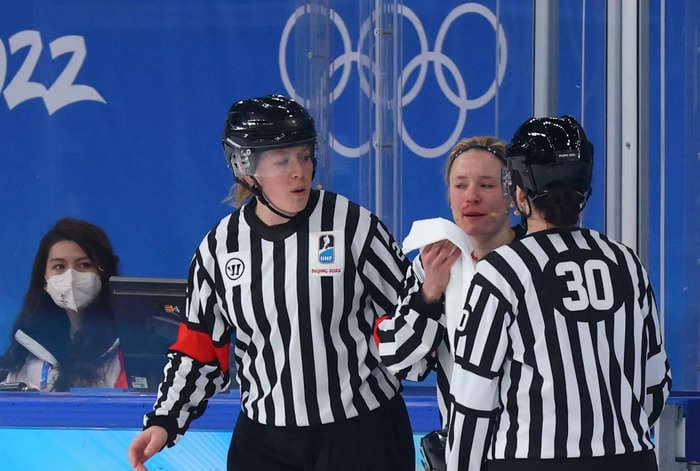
507,181
270,161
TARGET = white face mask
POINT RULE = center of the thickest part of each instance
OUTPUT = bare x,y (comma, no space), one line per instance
73,289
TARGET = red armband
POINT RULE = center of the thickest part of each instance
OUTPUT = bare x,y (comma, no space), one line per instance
375,331
121,383
200,346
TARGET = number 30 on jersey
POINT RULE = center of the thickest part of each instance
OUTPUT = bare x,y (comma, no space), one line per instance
586,292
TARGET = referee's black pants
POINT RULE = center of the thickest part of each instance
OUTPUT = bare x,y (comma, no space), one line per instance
380,440
641,461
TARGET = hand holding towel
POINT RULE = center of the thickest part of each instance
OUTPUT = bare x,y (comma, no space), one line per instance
428,231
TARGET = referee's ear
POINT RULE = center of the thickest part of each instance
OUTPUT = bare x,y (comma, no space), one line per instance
520,198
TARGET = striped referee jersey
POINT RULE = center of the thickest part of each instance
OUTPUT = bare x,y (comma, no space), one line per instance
559,353
300,299
414,341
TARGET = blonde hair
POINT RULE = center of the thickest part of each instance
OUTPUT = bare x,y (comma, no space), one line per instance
238,195
488,143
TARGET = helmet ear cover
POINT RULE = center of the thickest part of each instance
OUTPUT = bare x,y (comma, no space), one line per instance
241,161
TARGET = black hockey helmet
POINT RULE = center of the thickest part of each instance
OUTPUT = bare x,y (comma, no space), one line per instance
549,153
258,124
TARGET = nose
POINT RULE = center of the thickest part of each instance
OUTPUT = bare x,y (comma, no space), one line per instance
472,195
296,167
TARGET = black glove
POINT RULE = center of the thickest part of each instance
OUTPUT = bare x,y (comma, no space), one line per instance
432,447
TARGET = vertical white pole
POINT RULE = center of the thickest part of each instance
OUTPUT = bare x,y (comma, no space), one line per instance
629,124
546,58
613,113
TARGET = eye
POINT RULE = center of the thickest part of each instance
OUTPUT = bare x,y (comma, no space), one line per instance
461,186
280,162
58,267
488,185
85,265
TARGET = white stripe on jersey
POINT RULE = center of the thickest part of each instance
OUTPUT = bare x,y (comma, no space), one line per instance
572,395
574,308
412,344
303,335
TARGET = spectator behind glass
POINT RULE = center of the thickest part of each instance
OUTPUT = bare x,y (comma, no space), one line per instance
64,336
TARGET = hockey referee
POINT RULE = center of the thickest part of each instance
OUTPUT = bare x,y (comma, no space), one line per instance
559,361
300,274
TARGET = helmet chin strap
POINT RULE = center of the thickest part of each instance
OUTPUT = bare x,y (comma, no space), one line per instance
257,191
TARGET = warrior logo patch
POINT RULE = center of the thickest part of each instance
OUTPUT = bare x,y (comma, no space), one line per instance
235,268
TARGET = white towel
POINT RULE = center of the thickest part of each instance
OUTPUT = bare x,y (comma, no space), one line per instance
428,231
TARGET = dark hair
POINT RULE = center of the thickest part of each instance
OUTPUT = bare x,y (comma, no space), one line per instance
81,358
560,206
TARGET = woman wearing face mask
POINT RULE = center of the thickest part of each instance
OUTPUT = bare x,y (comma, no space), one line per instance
64,336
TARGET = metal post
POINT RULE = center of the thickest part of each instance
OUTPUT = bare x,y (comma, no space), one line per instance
313,70
629,124
613,118
546,58
386,148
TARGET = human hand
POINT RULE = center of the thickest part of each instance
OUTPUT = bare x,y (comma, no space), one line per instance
437,259
146,444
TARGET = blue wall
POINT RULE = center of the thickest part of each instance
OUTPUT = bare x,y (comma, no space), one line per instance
76,431
112,111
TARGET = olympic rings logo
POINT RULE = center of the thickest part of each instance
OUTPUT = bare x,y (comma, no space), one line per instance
345,61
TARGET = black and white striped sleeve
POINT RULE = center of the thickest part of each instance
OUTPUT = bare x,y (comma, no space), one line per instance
382,266
198,361
409,339
481,343
658,371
